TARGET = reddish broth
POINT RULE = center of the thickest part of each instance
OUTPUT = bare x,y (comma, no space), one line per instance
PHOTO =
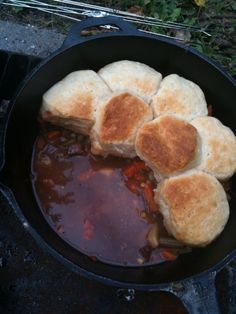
98,205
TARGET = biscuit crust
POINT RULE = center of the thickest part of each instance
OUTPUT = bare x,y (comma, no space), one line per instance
117,122
218,147
72,101
179,96
194,206
168,144
134,77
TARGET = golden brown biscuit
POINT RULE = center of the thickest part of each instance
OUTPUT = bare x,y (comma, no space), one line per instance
179,96
218,147
168,145
134,77
194,206
117,122
72,101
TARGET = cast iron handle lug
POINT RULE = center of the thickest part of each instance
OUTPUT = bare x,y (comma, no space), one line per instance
74,36
197,294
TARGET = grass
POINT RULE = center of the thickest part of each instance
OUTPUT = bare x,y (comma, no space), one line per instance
217,17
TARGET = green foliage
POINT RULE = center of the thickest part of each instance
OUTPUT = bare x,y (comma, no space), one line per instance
217,17
163,9
17,10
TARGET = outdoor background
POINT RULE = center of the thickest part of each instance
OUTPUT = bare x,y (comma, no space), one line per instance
217,17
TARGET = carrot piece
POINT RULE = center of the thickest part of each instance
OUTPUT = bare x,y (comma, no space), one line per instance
40,143
153,207
169,255
134,169
54,134
129,171
133,187
149,197
140,165
148,192
86,175
139,177
210,110
88,229
88,234
88,224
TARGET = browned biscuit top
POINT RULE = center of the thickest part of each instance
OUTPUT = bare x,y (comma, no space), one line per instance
121,114
82,106
218,147
167,143
190,196
171,101
194,205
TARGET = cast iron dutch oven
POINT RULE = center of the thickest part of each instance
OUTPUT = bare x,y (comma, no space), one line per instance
191,276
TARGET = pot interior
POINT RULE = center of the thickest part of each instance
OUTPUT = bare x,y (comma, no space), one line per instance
23,128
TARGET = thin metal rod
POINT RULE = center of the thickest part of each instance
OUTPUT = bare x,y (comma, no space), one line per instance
76,19
41,9
70,11
39,6
110,10
132,16
76,10
63,11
